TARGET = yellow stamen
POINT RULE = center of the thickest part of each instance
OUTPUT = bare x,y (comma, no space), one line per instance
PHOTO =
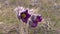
23,15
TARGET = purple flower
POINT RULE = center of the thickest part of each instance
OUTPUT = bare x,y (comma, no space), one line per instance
33,23
39,18
34,20
24,16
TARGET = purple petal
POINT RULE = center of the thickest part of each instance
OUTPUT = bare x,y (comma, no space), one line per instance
33,23
25,19
33,17
39,18
36,18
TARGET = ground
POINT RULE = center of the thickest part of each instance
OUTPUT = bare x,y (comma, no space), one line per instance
49,9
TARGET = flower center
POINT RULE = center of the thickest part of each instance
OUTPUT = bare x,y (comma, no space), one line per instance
23,15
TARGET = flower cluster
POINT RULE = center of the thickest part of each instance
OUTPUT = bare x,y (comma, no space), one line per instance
24,14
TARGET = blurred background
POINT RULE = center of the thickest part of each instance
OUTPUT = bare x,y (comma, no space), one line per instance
49,9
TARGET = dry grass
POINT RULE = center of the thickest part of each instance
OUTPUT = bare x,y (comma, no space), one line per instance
45,8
